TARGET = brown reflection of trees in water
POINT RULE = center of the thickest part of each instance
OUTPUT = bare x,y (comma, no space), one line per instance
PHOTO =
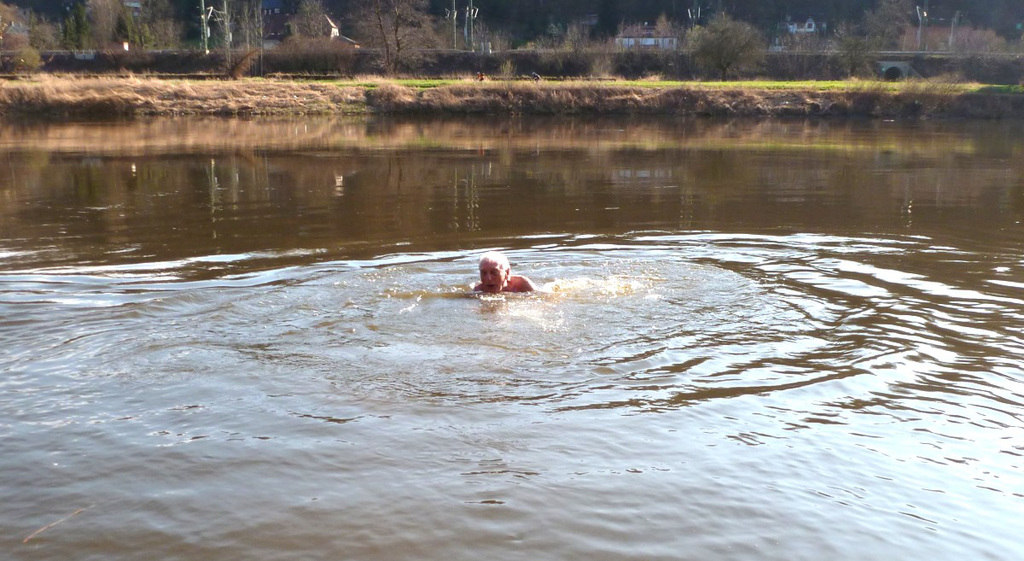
381,180
148,136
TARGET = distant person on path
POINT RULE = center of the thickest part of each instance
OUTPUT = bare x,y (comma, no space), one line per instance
496,276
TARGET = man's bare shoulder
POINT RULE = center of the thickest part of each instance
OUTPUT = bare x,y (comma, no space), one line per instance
517,283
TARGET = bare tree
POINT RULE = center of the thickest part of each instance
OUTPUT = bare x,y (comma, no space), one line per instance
970,40
43,34
853,49
311,19
665,27
886,24
225,23
399,29
250,24
576,38
726,44
164,29
103,15
8,16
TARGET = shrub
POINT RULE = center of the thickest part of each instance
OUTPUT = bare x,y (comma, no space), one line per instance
969,40
317,56
137,61
726,44
27,59
853,51
507,69
602,65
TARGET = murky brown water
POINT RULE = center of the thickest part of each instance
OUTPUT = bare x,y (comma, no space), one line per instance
764,340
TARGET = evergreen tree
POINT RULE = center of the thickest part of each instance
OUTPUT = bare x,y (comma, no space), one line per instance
124,30
77,31
129,29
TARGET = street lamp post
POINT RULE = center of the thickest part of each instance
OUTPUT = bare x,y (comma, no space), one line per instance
471,13
922,17
454,16
694,14
204,29
952,30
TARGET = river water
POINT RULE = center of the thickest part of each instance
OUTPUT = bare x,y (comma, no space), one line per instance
759,340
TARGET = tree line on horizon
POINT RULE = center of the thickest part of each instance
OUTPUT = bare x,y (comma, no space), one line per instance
523,21
719,34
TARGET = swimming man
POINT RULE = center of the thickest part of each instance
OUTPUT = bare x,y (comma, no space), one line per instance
496,275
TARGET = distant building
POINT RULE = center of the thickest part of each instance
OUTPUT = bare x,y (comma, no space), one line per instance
808,25
645,37
277,25
797,33
334,32
134,6
337,36
272,7
14,31
275,22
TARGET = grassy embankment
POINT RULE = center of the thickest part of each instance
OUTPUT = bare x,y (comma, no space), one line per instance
72,97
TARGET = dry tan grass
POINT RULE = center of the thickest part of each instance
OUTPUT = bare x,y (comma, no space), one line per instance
134,96
130,96
582,97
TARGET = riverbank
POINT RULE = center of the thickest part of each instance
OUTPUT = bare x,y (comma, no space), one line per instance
73,97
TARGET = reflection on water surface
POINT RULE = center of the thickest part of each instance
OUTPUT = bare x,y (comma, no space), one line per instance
761,340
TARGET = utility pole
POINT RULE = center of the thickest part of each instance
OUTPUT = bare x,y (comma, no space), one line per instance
259,37
471,13
204,29
922,19
694,14
453,15
952,30
224,18
926,24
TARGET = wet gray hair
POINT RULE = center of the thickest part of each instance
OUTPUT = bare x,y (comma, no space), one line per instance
497,258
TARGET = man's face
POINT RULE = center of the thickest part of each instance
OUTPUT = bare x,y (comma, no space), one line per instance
493,277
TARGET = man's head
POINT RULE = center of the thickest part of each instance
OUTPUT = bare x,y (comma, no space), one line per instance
494,272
